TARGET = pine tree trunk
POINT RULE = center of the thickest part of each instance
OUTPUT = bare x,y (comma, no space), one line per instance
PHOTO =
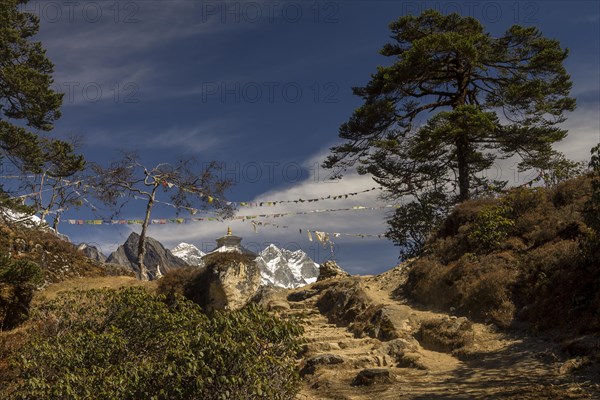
462,154
462,142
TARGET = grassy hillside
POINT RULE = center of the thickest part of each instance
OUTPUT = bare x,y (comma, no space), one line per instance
518,258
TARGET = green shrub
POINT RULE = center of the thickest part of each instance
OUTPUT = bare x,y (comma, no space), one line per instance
490,227
412,223
130,344
18,281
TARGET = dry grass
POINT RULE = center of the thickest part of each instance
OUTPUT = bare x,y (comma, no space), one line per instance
88,283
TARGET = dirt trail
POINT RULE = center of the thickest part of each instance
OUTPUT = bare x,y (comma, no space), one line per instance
491,365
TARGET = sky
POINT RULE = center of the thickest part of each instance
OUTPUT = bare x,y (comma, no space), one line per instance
262,87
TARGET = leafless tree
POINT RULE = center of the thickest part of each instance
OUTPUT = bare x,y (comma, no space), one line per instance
55,185
186,186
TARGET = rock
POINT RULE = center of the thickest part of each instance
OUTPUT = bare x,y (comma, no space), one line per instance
278,305
446,334
157,260
581,346
397,348
573,365
323,359
411,360
229,281
302,295
375,323
319,347
343,302
267,294
330,269
372,376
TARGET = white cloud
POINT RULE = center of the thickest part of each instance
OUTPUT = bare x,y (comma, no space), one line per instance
584,132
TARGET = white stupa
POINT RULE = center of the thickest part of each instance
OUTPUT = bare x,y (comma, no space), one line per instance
230,244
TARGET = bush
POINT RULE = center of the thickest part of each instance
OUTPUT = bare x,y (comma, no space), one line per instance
57,258
412,223
227,258
129,344
179,282
490,227
18,281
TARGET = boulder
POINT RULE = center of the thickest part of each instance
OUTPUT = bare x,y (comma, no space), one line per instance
302,295
330,269
371,376
445,334
343,302
375,322
397,348
230,281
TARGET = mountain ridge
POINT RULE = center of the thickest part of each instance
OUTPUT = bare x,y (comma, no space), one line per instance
188,253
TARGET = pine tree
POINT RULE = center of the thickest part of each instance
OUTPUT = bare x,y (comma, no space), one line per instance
491,97
27,101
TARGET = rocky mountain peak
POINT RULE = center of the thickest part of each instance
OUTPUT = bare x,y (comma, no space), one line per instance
91,252
158,259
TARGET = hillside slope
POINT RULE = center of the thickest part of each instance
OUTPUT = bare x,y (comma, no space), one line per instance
516,260
58,259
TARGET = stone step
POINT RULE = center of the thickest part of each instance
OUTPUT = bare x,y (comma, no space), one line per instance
351,343
314,323
324,338
307,311
317,328
298,306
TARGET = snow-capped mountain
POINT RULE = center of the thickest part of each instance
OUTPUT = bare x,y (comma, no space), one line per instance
278,267
284,268
188,253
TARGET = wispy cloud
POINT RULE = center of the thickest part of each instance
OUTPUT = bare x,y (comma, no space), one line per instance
291,232
193,139
125,42
584,132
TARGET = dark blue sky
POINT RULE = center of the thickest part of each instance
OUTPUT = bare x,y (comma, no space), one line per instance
263,88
